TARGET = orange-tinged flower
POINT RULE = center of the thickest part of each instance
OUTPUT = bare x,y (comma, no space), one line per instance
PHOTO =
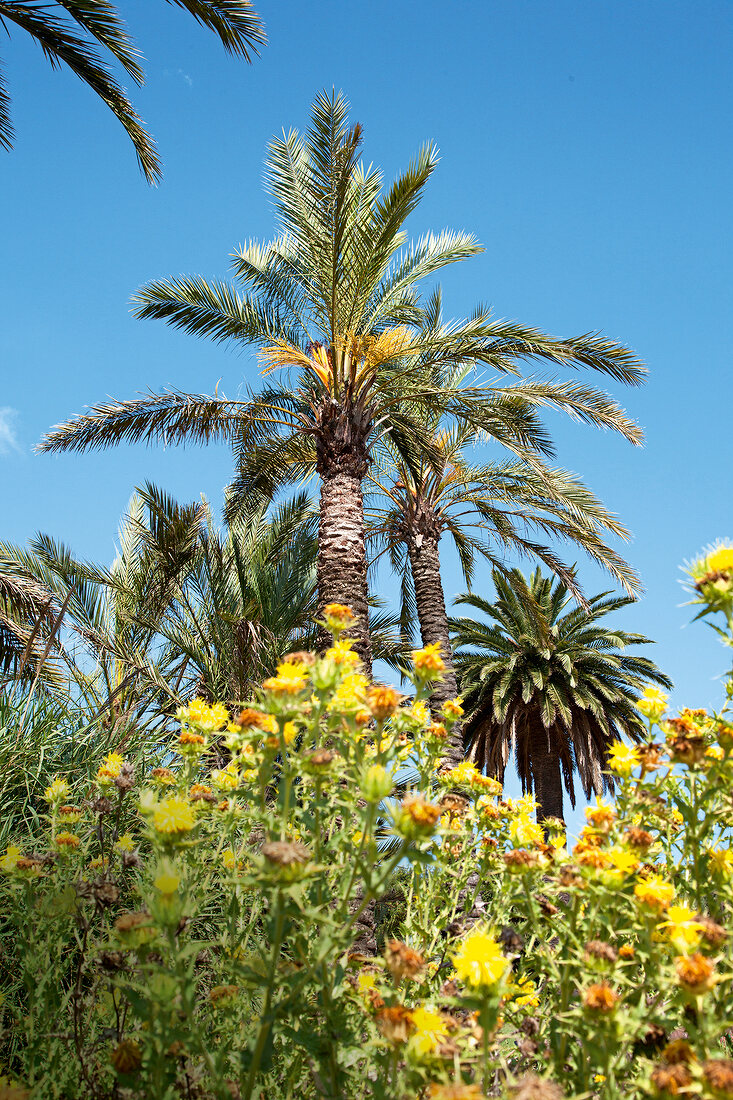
601,816
654,892
291,679
383,701
452,708
695,973
600,997
395,1023
67,840
403,961
428,662
338,617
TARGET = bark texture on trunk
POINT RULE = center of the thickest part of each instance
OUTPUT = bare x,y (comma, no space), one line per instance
424,554
342,462
546,775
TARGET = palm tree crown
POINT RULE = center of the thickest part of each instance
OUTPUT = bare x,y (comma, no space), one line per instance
550,683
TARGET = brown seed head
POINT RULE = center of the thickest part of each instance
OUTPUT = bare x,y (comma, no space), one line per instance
670,1080
637,837
403,961
597,949
718,1073
679,1052
531,1087
285,853
394,1022
712,932
126,1057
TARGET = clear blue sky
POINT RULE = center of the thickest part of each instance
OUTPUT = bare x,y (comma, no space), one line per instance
587,145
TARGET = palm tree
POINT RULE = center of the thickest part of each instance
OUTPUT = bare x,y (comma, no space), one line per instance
76,33
335,297
487,509
552,685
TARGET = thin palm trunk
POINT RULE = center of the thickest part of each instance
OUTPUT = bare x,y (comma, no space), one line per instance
424,554
546,776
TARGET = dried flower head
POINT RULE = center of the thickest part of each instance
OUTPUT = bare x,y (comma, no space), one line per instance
383,701
718,1074
126,1057
670,1080
637,837
598,949
403,961
532,1087
600,997
695,973
679,1052
285,853
395,1023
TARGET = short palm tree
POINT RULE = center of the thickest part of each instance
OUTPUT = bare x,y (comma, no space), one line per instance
334,298
85,35
550,683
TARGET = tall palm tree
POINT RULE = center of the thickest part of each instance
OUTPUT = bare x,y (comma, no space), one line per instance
335,298
85,35
486,509
551,684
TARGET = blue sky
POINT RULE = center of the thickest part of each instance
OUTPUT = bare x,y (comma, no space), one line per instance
588,146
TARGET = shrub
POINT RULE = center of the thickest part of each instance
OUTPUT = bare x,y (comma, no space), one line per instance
205,931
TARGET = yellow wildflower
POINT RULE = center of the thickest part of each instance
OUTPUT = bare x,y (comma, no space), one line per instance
715,752
338,617
525,833
420,712
9,861
342,653
681,926
226,779
622,759
622,860
652,704
427,661
167,882
350,693
174,815
430,1029
126,843
57,791
479,961
720,861
720,560
290,680
452,708
66,840
110,769
654,892
463,775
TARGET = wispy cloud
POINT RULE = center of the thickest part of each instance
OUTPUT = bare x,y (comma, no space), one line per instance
186,77
8,438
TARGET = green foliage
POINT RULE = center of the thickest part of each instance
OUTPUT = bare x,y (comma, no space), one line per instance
189,930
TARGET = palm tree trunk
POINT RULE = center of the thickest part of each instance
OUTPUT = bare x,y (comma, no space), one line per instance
546,776
342,565
342,461
422,548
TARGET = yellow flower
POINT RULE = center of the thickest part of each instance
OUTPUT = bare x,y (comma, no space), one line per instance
357,837
721,861
110,769
167,882
652,704
338,617
682,929
126,843
525,833
229,859
599,1078
622,759
601,816
720,560
290,680
463,775
479,961
427,661
654,892
9,861
430,1030
57,791
350,693
226,779
66,840
715,752
452,708
622,860
174,815
342,653
419,711
366,980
